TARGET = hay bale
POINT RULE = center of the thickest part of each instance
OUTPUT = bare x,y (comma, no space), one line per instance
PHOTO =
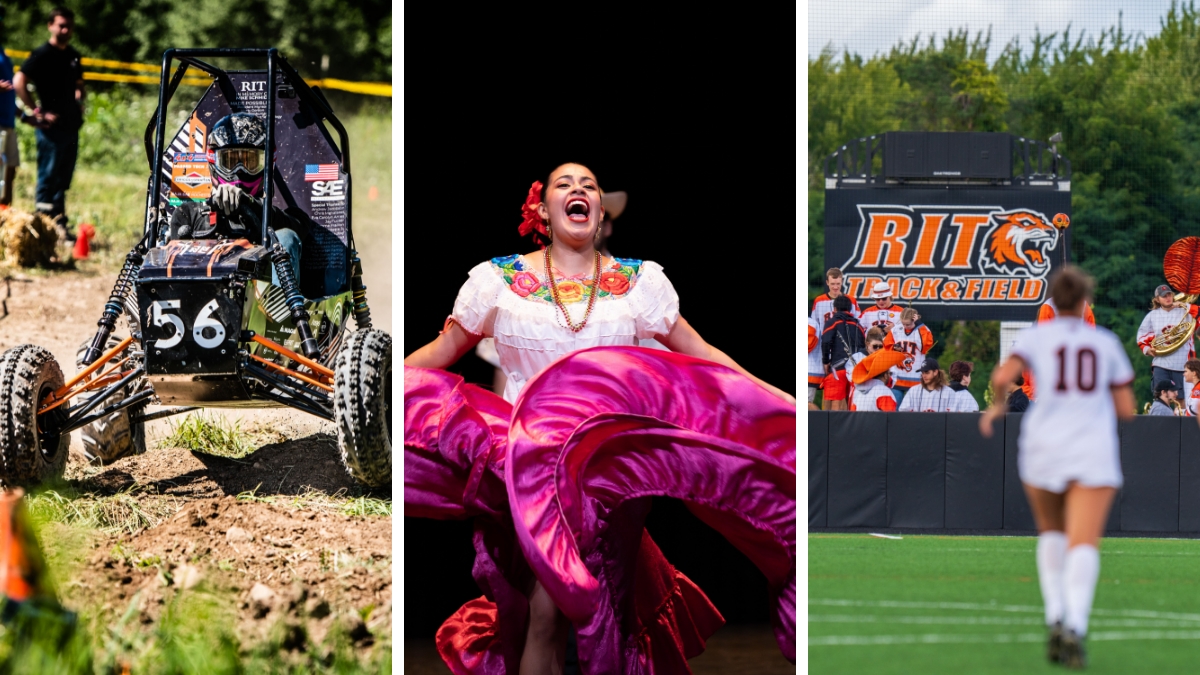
28,239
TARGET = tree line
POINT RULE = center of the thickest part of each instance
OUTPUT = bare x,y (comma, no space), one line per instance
321,38
1128,108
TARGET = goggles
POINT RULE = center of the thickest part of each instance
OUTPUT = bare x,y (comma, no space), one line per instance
249,160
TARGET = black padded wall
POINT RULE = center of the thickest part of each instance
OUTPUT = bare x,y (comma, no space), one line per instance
974,474
916,470
1189,476
1150,462
1017,515
857,469
818,468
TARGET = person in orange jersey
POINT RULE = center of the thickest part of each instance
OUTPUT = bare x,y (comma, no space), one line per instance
822,308
1045,313
914,339
870,376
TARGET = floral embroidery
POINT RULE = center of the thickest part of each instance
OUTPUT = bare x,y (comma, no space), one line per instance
616,280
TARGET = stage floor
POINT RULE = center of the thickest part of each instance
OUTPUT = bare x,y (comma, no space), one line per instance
732,651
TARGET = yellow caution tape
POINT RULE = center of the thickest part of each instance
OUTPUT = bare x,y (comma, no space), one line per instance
368,88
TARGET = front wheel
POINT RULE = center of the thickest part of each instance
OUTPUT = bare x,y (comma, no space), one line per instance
362,406
32,450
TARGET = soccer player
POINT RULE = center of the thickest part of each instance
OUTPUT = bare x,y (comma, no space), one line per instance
1068,453
1047,312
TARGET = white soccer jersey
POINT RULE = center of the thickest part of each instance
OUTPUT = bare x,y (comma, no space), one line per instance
920,399
823,309
873,316
916,344
1157,322
1070,433
1191,399
873,396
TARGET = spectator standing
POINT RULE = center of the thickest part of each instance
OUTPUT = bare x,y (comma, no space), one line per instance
1017,400
914,339
884,314
960,379
933,395
871,392
9,152
1191,394
822,307
842,337
816,372
1164,315
1165,394
55,70
874,342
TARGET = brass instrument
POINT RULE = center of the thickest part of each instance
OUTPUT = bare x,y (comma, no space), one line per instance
1178,335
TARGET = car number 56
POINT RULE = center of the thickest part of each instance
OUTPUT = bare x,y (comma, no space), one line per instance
206,339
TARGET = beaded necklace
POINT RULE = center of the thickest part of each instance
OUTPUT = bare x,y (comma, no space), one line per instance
575,328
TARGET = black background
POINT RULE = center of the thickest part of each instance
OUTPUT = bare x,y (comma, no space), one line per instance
693,115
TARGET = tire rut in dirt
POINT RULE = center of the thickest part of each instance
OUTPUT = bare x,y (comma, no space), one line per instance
113,436
28,457
362,405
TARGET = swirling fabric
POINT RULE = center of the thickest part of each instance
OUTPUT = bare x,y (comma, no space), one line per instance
560,486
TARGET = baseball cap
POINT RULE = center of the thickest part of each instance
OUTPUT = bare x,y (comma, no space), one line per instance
881,290
930,365
1163,290
1164,385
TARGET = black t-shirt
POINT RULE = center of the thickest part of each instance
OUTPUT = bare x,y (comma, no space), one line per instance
54,72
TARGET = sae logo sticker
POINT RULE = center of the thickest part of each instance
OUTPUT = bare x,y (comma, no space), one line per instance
329,191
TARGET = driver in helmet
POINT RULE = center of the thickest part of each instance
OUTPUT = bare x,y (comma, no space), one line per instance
236,149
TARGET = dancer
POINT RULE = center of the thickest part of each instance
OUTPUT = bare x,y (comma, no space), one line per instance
470,454
1068,452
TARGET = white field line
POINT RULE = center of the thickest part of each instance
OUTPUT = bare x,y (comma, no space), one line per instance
933,638
974,606
987,621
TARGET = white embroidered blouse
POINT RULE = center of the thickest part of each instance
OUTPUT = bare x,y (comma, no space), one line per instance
510,300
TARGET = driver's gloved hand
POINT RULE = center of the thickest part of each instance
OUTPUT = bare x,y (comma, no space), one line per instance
225,198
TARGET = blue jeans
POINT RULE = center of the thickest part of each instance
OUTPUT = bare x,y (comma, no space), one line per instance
1158,374
290,241
57,150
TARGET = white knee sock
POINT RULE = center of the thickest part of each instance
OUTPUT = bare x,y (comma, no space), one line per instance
1051,564
1082,571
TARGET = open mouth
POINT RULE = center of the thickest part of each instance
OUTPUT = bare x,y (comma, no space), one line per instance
578,210
1035,255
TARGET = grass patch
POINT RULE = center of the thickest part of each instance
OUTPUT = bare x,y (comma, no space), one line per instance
110,514
211,434
313,500
941,604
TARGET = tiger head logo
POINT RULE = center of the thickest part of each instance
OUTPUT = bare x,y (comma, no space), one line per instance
1019,243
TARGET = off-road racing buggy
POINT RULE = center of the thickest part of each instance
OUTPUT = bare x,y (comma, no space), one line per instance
207,327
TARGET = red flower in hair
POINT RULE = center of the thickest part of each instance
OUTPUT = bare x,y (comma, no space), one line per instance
531,222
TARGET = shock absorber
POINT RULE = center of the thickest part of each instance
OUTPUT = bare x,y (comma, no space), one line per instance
116,303
287,280
362,313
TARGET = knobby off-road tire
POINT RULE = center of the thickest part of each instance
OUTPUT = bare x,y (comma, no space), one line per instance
113,436
362,405
29,456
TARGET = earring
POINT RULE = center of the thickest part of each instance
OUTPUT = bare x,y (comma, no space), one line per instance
549,233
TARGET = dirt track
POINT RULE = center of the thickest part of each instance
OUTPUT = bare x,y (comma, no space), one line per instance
316,564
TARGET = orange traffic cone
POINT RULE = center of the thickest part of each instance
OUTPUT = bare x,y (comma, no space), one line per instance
86,232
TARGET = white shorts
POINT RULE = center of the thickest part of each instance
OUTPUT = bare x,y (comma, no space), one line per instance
812,393
1052,469
10,152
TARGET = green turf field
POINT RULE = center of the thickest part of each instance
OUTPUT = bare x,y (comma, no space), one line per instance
940,604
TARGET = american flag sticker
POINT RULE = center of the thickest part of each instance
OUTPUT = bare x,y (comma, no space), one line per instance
320,172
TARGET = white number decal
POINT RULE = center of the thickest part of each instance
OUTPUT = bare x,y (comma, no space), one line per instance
205,320
158,318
